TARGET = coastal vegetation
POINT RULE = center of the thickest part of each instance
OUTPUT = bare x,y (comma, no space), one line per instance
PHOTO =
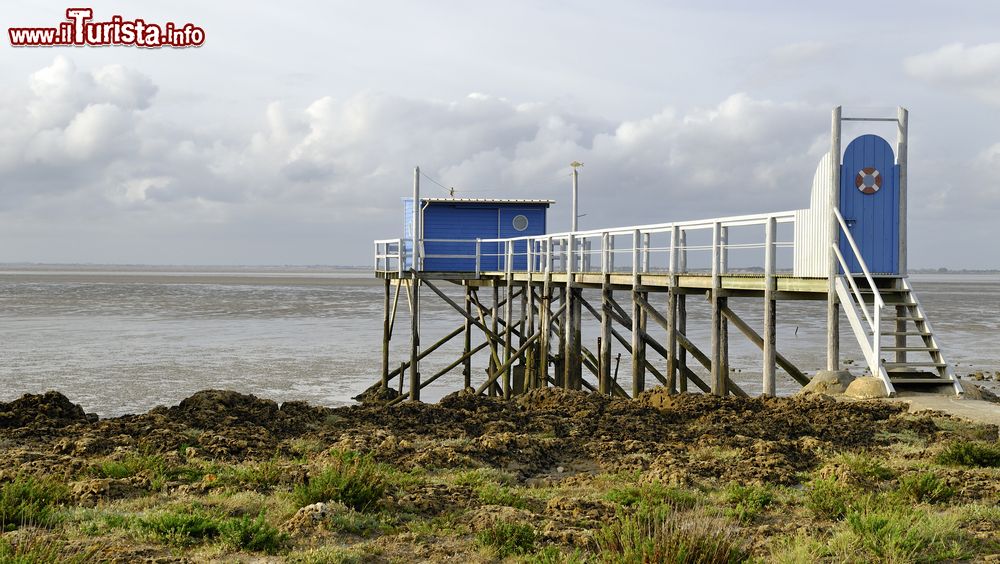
549,477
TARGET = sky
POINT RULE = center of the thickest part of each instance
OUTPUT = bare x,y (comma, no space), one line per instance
290,135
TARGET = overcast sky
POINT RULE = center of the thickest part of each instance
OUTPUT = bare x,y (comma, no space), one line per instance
289,137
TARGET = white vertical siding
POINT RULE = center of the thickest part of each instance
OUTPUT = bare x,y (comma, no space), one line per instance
811,227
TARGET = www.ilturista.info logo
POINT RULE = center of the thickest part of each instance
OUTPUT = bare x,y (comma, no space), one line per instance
80,30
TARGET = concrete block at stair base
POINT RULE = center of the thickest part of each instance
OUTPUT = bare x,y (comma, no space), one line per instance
866,388
831,382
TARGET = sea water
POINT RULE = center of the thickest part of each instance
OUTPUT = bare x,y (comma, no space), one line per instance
124,339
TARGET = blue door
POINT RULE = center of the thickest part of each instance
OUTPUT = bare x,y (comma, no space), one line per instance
869,202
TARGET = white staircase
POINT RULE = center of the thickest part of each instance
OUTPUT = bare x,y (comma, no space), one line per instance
888,320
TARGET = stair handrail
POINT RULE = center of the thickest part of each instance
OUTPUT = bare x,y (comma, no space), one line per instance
874,320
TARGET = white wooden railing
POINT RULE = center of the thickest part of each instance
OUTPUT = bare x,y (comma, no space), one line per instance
854,298
644,249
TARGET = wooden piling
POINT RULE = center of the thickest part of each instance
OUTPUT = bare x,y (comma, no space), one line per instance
415,339
385,337
770,309
605,348
467,344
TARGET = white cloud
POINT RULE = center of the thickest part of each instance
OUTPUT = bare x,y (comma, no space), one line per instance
90,160
974,69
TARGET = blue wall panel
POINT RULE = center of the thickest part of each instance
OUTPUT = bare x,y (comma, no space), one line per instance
463,222
873,218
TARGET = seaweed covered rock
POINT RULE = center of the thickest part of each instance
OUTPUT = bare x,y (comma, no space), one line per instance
50,409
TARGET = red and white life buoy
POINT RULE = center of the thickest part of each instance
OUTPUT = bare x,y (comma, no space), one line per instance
868,180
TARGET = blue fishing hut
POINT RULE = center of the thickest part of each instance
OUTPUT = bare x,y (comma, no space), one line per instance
450,227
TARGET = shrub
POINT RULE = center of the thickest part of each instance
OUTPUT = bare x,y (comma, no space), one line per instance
255,535
827,498
351,479
480,476
864,468
663,535
506,538
748,501
355,523
180,528
925,487
31,501
260,476
969,453
652,495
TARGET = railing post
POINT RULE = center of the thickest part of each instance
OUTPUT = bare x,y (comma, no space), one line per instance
479,256
645,252
604,253
833,309
548,254
723,250
399,258
570,244
509,260
682,260
674,241
529,247
636,243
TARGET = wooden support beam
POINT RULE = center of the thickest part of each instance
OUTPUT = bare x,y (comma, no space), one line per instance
465,356
545,329
424,353
682,368
530,370
508,316
756,339
604,377
466,345
385,338
770,310
517,354
415,340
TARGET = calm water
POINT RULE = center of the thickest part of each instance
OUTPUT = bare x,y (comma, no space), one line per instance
125,340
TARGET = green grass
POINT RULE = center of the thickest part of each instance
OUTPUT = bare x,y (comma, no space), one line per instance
864,468
254,535
652,495
356,523
152,466
827,498
971,454
664,535
258,476
747,502
31,501
553,555
480,476
352,479
925,487
904,535
507,538
42,549
494,494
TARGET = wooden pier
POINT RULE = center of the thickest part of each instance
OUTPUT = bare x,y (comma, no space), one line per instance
528,304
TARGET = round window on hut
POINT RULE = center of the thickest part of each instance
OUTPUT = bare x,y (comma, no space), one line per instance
520,222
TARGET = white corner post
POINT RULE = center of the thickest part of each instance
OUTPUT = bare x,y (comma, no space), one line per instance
902,147
415,294
576,185
416,218
833,308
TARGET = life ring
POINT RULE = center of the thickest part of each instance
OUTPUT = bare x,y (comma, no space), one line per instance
868,180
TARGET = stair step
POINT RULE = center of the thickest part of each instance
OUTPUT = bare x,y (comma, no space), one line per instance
909,364
930,381
911,349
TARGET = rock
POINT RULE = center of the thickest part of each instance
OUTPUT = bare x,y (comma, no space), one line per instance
866,388
376,394
50,409
833,382
312,516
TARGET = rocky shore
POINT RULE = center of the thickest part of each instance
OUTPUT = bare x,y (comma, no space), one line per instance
551,476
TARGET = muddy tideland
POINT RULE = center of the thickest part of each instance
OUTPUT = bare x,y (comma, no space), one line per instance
549,476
